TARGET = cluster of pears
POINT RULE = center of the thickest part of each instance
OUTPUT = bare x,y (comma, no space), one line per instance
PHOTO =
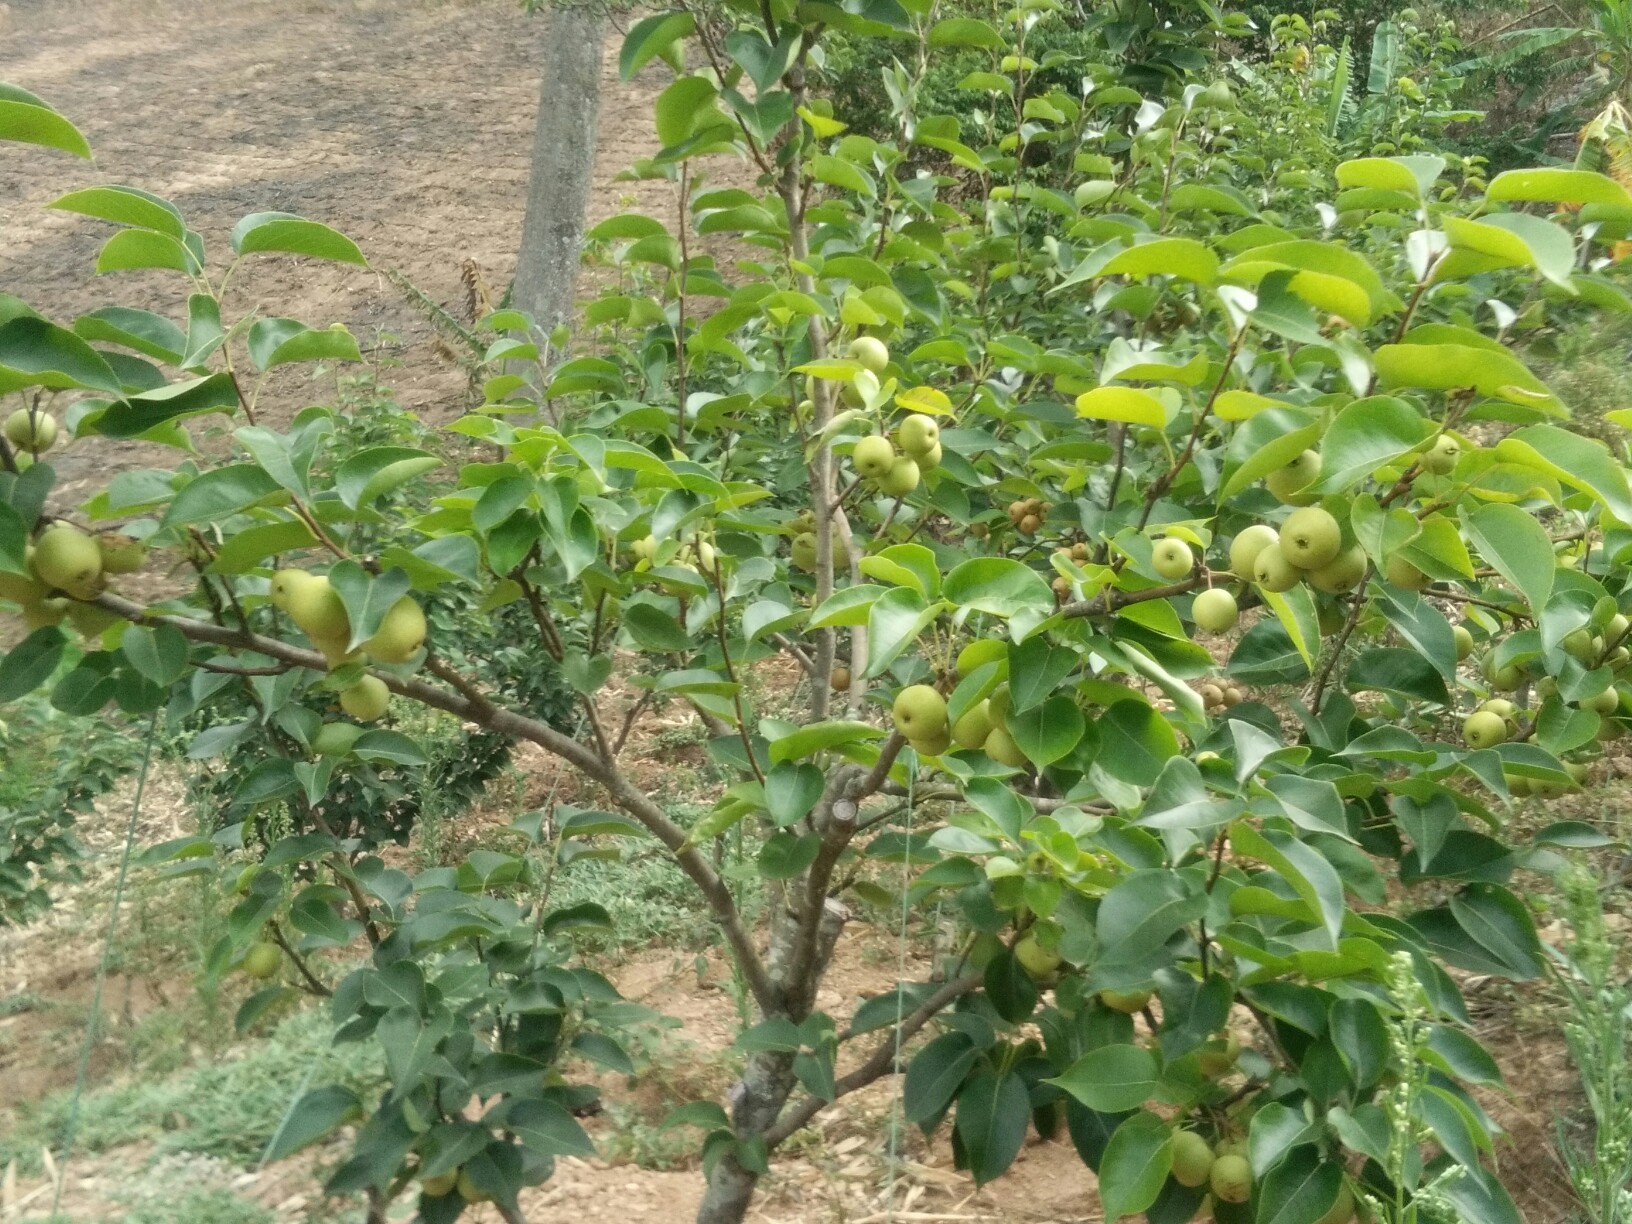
1307,548
698,555
1077,553
67,566
313,604
896,472
439,1184
31,431
1027,515
1219,695
920,714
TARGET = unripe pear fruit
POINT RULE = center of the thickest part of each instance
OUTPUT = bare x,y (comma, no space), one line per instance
1192,1159
919,712
1441,457
1482,729
1342,573
284,584
318,609
918,434
20,588
1031,524
1605,703
337,651
1341,1211
1172,559
839,680
67,559
45,612
401,633
34,432
998,700
1284,483
1617,628
901,479
262,960
1464,641
1403,574
1215,611
1273,572
91,619
971,730
1218,1056
929,460
335,739
1578,644
440,1184
804,550
1244,549
1000,746
1126,1001
1040,962
1505,679
1230,1179
1518,785
873,456
1310,538
366,700
870,352
470,1191
934,745
121,554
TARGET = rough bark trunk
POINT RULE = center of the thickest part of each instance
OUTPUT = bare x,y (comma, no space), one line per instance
757,1099
563,170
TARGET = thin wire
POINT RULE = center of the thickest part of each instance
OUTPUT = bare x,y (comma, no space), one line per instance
102,966
899,1104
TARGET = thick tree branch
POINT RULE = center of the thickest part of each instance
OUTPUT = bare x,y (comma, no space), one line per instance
877,1064
474,707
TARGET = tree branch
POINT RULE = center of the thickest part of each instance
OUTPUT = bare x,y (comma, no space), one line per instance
880,1061
476,708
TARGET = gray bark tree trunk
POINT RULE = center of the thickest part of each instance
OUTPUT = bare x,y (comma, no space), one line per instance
563,170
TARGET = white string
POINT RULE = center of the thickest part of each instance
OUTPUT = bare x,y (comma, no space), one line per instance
898,1104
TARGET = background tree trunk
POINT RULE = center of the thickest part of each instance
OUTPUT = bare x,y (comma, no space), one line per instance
563,170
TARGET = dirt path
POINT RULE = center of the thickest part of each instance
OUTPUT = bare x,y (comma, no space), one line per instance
407,124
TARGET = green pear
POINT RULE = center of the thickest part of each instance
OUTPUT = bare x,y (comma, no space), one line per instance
1482,729
870,352
1441,457
335,739
917,434
1000,746
1342,573
804,550
930,459
1230,1179
1310,538
367,700
262,960
1246,546
1172,559
1273,572
66,559
971,730
1286,483
401,633
319,611
31,430
1039,962
1192,1159
1125,1001
919,712
901,479
121,554
873,457
1215,611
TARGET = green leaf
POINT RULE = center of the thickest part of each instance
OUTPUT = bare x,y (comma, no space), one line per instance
220,493
1391,670
654,629
275,342
651,37
1112,1078
998,586
30,663
390,746
292,235
315,1116
159,653
1136,742
965,32
135,249
140,413
684,107
894,623
1552,185
1365,436
786,855
993,1114
1582,463
1516,545
247,549
1270,440
1496,920
1450,367
374,472
1299,1190
1122,404
1310,875
124,206
1048,732
1009,988
1135,1166
1146,909
935,1075
791,791
35,353
367,598
547,1128
27,119
142,330
1184,258
807,741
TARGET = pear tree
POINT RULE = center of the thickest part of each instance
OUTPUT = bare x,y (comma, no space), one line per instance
1185,571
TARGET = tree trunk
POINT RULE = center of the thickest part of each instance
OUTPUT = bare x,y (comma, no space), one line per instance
767,1079
563,171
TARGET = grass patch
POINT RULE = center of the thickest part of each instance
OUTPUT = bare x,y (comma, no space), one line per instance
228,1109
199,1206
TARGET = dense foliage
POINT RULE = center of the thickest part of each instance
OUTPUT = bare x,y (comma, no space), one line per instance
1184,571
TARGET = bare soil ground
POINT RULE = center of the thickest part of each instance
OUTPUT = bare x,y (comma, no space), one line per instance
407,124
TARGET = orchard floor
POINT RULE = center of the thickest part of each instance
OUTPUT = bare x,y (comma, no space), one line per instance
408,124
